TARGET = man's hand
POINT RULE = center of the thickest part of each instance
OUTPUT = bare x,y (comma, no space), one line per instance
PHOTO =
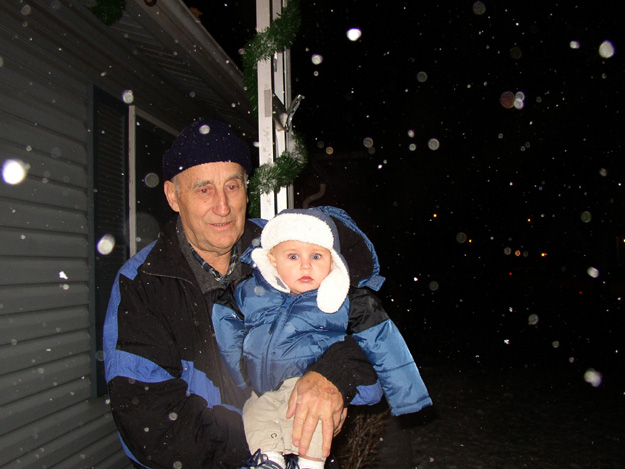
315,398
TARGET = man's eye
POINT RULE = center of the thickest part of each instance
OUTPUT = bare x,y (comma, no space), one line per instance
233,187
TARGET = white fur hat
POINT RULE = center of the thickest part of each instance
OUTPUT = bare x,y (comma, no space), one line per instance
308,226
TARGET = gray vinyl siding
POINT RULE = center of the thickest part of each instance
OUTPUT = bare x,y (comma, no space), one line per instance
52,55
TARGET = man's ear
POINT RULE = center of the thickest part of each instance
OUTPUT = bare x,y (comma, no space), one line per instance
172,196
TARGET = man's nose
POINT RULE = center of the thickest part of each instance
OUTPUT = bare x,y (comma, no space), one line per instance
222,207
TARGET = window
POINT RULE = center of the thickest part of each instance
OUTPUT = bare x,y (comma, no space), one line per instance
128,207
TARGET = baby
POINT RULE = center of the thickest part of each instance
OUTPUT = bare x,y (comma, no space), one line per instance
301,300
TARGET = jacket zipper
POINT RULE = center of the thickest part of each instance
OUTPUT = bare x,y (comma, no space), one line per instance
281,317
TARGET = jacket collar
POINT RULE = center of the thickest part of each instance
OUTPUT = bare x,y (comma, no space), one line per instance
165,259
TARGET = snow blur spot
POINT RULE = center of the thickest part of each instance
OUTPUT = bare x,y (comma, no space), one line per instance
422,77
574,44
128,96
586,216
415,279
433,144
99,355
433,286
606,49
26,10
555,344
14,171
106,244
368,142
412,147
63,275
506,341
516,52
316,59
259,291
603,172
479,8
151,180
593,377
173,416
354,34
1,61
411,133
205,129
177,465
507,99
461,237
593,272
532,320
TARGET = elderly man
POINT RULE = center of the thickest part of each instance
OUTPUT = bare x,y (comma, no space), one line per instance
172,399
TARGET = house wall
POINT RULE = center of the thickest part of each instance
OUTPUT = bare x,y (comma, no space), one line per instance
52,52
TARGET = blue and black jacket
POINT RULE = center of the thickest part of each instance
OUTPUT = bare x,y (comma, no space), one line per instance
268,336
172,398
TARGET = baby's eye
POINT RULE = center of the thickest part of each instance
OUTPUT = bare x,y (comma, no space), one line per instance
316,257
293,257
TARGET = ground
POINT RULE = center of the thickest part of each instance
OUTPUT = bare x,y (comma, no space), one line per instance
489,416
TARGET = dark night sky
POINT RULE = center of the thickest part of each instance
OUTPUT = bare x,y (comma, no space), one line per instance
447,222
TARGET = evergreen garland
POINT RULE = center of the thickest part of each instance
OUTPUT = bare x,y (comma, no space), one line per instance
109,11
272,176
276,38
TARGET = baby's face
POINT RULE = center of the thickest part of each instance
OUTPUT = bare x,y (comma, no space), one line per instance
302,266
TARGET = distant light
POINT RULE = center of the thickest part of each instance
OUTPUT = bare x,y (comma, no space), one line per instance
14,171
435,215
354,34
606,49
543,254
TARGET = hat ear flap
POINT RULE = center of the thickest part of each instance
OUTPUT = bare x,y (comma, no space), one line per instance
267,270
335,287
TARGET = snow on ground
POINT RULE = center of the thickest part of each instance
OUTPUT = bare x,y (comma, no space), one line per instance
489,416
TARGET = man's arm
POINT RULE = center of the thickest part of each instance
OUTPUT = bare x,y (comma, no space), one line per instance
159,405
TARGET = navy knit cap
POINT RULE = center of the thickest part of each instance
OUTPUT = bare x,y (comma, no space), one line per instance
205,141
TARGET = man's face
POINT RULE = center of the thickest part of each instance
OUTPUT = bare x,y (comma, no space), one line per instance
302,266
211,200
